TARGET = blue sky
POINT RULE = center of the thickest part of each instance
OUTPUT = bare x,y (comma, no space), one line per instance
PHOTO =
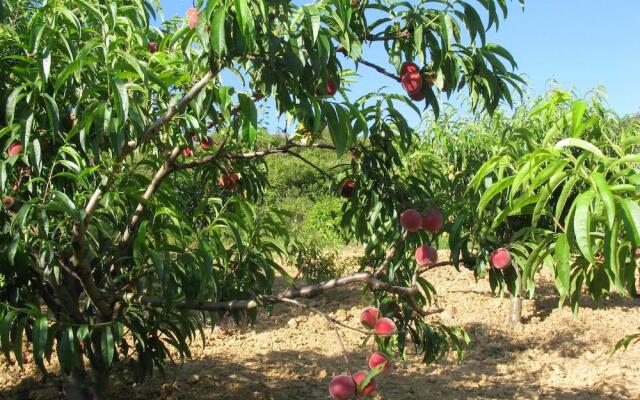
573,44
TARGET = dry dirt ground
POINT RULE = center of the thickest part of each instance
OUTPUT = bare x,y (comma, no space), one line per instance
293,354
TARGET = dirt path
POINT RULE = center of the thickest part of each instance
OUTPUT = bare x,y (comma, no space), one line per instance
293,356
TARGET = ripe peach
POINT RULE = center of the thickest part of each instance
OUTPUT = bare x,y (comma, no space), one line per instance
206,143
426,255
193,14
332,87
342,387
500,258
347,189
187,151
358,377
15,148
408,66
8,201
418,96
432,221
385,327
412,82
380,359
369,317
152,47
411,220
229,181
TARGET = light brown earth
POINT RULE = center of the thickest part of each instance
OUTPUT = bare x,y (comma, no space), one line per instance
293,354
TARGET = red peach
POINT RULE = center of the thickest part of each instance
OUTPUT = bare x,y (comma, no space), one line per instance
347,189
332,87
8,201
229,181
206,143
408,66
342,387
358,377
369,316
500,258
193,14
380,359
418,96
187,152
426,255
385,327
152,47
411,220
412,82
432,221
14,148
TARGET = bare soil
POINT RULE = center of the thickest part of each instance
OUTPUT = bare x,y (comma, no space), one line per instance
292,354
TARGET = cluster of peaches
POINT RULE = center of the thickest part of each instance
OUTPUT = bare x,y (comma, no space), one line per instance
345,387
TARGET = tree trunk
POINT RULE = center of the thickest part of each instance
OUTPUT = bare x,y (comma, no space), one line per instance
74,385
515,316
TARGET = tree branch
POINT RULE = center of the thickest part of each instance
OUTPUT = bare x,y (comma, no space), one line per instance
293,293
390,254
162,173
80,259
309,163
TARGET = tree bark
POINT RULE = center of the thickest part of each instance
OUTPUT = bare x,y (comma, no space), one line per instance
74,385
515,316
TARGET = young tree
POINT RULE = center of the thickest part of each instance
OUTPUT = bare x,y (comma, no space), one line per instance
106,116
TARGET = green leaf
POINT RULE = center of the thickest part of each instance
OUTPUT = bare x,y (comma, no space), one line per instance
5,329
604,191
582,224
583,144
17,340
245,20
630,214
249,119
493,191
52,112
218,40
106,345
11,104
313,16
563,267
577,112
123,100
40,332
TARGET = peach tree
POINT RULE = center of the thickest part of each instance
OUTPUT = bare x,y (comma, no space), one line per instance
111,258
556,184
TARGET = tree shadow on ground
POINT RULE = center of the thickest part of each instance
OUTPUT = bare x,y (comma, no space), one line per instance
290,374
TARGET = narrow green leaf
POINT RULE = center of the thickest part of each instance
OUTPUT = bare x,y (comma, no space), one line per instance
630,214
11,104
493,191
106,345
123,100
577,112
5,328
583,144
39,341
582,224
218,40
563,267
606,195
